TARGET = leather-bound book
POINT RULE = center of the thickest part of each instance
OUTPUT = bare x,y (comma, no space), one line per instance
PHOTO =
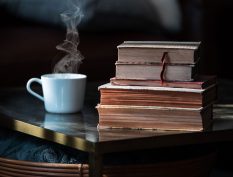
158,60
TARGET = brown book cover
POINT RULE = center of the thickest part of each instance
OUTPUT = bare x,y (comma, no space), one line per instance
151,117
201,82
149,71
156,96
152,52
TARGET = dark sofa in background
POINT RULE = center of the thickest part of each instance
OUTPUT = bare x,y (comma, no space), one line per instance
30,31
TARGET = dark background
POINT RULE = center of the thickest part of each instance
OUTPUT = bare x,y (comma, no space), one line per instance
27,46
28,39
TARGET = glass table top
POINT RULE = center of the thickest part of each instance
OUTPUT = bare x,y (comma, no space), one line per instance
22,112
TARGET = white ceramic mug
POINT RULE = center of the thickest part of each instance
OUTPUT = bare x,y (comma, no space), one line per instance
62,92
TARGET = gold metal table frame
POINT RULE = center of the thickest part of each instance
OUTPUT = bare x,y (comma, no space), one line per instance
22,112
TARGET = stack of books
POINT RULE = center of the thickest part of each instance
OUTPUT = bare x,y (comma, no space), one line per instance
157,87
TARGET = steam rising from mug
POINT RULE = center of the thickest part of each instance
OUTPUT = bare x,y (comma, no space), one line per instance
73,58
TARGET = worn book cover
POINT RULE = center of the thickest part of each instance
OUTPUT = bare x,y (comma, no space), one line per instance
153,51
201,82
156,96
149,71
152,117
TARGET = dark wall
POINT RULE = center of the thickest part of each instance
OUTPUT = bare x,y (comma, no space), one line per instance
208,21
28,47
218,37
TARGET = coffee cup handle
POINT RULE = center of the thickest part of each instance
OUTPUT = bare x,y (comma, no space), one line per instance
30,81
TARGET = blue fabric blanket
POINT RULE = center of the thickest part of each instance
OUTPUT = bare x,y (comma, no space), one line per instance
15,145
19,146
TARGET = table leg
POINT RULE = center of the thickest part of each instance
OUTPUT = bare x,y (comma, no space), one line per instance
95,165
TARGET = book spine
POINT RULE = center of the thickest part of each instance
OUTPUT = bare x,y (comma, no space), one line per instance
197,54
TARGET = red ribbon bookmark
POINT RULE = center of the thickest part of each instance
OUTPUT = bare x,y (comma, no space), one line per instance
163,60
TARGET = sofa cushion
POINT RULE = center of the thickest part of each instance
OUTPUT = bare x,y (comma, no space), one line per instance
104,14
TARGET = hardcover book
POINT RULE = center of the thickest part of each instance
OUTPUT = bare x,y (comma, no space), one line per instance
172,72
152,52
156,86
200,82
151,117
156,96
